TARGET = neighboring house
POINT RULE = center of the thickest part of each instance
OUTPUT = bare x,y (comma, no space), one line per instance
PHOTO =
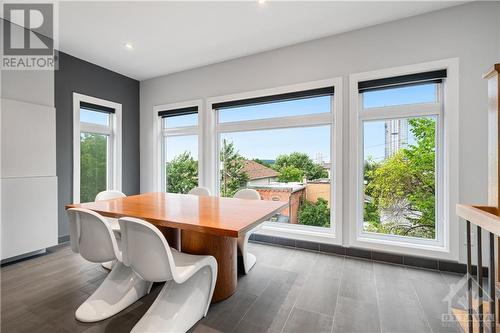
319,188
293,193
259,174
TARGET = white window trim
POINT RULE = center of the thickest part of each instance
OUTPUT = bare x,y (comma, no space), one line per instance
160,133
448,247
114,130
213,129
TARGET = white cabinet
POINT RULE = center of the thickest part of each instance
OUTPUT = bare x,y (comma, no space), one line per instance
28,178
28,139
29,215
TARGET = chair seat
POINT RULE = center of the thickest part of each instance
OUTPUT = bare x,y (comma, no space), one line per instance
185,297
187,264
183,301
91,236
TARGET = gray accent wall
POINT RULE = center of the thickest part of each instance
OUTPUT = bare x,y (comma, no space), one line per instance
76,75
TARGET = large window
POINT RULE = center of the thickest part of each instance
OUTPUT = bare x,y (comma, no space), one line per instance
400,158
97,147
281,146
179,150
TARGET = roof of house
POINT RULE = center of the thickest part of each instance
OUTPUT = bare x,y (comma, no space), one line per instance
279,186
256,170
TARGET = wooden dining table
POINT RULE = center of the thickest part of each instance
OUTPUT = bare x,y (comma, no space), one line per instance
196,225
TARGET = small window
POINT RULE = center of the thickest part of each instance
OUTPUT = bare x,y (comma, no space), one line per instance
297,103
299,107
97,147
94,117
179,166
181,121
93,165
414,94
399,177
181,163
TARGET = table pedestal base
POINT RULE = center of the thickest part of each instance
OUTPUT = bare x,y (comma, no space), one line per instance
224,249
172,235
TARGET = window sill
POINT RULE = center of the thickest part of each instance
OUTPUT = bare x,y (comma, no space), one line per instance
299,232
403,247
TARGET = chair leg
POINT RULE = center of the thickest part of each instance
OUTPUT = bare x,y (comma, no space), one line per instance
249,259
213,272
120,289
178,306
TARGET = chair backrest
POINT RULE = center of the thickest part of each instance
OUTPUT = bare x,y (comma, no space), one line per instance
200,191
146,251
247,193
91,236
107,195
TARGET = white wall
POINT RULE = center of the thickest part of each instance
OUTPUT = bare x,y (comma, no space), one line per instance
470,32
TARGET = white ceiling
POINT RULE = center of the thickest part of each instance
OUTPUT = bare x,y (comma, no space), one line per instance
174,36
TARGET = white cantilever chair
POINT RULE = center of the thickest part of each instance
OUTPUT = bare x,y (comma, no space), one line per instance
107,195
200,191
249,259
186,296
92,237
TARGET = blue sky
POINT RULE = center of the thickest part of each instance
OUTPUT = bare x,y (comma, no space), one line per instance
268,144
374,131
94,117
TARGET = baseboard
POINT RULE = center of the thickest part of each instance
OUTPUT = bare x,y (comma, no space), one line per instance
63,239
22,257
411,261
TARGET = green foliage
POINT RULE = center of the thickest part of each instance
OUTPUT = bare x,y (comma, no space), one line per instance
406,180
302,162
262,162
232,175
182,173
93,151
290,174
315,214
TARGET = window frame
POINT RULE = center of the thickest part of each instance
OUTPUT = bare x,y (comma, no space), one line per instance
446,109
214,129
163,132
114,146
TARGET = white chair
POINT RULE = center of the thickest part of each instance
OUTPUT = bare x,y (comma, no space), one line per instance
186,296
249,259
200,191
92,237
108,195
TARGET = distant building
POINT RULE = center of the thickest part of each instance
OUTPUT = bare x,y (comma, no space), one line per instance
319,158
259,174
396,136
319,188
293,193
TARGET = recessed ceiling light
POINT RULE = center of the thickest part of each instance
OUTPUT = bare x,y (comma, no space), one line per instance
261,2
128,46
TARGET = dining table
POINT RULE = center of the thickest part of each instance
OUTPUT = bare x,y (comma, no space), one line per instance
200,225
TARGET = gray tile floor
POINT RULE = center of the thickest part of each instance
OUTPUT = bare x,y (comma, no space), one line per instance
287,291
